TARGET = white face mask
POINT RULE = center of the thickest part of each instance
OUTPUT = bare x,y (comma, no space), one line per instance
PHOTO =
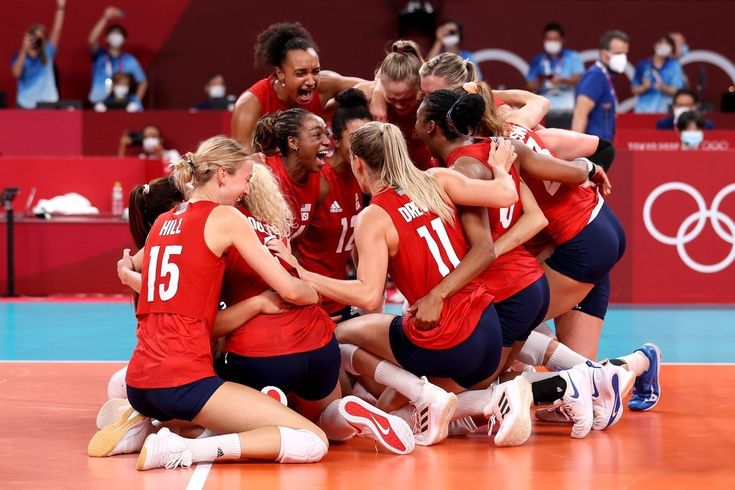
663,50
450,41
618,62
692,138
552,47
150,144
115,39
217,91
120,91
678,111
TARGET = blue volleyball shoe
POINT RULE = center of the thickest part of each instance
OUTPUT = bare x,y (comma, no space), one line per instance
647,388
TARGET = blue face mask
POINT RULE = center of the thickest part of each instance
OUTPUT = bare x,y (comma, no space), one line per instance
684,50
692,138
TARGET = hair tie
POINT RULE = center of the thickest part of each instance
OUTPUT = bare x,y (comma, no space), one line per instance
190,161
146,189
453,127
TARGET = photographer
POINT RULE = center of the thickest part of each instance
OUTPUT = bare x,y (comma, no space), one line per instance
107,62
449,37
151,142
33,65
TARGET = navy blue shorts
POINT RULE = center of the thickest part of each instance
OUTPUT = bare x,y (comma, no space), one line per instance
309,375
523,311
596,301
590,255
180,403
468,363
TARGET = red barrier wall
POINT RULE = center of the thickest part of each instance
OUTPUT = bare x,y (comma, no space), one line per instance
701,269
181,42
659,140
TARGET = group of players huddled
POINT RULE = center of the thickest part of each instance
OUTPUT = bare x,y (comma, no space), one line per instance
252,344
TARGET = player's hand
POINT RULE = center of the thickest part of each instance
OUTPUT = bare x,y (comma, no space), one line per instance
502,154
379,107
272,303
125,267
279,249
600,179
427,311
471,88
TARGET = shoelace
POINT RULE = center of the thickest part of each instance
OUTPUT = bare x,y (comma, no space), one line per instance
176,458
418,429
490,424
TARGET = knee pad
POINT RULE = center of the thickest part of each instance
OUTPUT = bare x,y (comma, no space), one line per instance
300,446
346,352
116,387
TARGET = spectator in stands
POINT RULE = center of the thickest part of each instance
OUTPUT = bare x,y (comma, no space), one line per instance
657,78
151,141
217,97
556,71
33,65
120,97
449,37
596,104
107,62
691,130
684,101
681,47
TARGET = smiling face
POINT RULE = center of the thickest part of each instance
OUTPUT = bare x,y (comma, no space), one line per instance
299,75
402,96
312,144
235,185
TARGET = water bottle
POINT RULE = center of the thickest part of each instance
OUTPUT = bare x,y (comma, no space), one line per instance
117,199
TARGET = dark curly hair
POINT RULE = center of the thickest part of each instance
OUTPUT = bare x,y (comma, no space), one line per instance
274,43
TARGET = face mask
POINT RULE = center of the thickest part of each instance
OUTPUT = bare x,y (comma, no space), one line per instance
684,50
692,138
618,62
552,47
150,144
678,111
115,39
120,91
663,50
450,41
217,91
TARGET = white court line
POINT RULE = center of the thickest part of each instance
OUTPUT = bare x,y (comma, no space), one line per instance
199,477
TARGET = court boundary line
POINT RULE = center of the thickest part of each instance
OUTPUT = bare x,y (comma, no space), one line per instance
199,477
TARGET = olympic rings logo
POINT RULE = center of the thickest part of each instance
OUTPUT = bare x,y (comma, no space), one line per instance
684,235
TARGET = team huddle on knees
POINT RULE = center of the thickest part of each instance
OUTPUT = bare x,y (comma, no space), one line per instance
252,344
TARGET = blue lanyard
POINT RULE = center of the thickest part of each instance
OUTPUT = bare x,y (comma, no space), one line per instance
547,64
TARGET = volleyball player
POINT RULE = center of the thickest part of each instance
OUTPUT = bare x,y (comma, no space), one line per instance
291,51
171,376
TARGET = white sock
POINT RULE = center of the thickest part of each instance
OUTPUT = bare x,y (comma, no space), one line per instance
564,358
472,402
334,424
405,383
534,349
214,448
347,351
637,362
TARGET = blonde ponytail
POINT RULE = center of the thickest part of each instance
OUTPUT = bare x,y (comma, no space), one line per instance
402,63
266,202
213,153
383,148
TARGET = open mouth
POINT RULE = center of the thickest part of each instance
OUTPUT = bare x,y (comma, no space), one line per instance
304,95
321,157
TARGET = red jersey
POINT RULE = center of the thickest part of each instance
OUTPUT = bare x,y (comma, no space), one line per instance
300,329
301,198
429,249
270,103
517,269
327,243
569,208
178,301
420,155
